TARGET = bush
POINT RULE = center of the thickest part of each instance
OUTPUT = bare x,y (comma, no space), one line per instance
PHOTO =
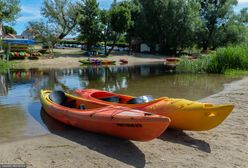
3,65
229,58
233,57
194,66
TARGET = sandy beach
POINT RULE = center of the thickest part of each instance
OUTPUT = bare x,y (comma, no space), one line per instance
69,58
225,146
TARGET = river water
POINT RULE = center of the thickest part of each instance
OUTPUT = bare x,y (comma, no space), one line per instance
20,109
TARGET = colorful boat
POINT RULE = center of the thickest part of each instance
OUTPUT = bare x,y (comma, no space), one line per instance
96,62
97,117
123,61
172,61
184,114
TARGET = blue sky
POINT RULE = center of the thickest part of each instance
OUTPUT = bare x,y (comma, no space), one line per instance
31,11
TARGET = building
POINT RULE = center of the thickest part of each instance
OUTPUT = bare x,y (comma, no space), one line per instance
28,34
139,46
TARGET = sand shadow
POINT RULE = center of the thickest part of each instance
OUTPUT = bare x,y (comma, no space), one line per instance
119,149
180,137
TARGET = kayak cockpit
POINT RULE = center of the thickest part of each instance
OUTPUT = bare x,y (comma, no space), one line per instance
60,98
116,98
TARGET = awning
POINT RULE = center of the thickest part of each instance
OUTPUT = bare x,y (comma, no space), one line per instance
18,41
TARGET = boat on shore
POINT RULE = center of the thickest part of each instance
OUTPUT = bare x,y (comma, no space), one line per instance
184,114
89,115
96,62
123,61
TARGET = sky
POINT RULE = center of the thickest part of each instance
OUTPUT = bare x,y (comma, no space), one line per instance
31,11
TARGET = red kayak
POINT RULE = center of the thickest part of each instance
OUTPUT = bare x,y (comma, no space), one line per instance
116,121
123,61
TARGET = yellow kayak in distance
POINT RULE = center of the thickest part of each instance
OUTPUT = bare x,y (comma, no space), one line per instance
184,114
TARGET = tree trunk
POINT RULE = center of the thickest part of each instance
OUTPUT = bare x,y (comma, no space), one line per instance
112,47
130,47
88,46
206,43
152,48
105,47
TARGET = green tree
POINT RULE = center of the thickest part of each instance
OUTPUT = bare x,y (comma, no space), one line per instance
242,17
46,33
214,15
169,23
232,32
106,29
63,14
9,10
90,22
9,30
120,22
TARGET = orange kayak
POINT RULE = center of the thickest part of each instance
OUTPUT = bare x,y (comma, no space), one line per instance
172,59
184,114
92,116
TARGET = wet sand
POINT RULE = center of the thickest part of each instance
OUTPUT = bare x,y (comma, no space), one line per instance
225,146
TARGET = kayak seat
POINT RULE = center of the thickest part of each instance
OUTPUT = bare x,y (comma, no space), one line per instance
60,98
114,99
135,100
140,100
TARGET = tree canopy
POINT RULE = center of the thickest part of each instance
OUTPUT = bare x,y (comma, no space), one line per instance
63,14
166,26
90,22
9,10
215,15
9,30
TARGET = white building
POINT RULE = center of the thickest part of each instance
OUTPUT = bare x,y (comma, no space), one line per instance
28,34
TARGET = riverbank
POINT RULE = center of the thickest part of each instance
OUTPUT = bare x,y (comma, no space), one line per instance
224,146
69,58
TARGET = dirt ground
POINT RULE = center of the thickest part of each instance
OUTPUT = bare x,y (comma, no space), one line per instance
225,146
69,58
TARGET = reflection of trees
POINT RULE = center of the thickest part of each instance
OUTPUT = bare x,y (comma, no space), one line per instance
116,78
106,78
134,80
190,86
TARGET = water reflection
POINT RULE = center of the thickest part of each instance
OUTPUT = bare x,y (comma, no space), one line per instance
19,90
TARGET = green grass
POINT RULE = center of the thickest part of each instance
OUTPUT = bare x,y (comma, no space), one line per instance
236,73
229,60
233,57
194,66
4,65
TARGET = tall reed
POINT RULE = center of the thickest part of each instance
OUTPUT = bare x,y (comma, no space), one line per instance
229,58
233,57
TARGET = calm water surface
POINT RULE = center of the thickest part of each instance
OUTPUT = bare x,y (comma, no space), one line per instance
20,109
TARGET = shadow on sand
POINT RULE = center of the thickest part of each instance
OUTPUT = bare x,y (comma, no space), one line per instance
122,150
180,137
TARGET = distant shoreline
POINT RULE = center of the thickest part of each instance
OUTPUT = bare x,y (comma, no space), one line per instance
68,60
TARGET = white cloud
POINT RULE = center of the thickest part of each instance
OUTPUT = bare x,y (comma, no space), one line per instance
29,13
242,1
